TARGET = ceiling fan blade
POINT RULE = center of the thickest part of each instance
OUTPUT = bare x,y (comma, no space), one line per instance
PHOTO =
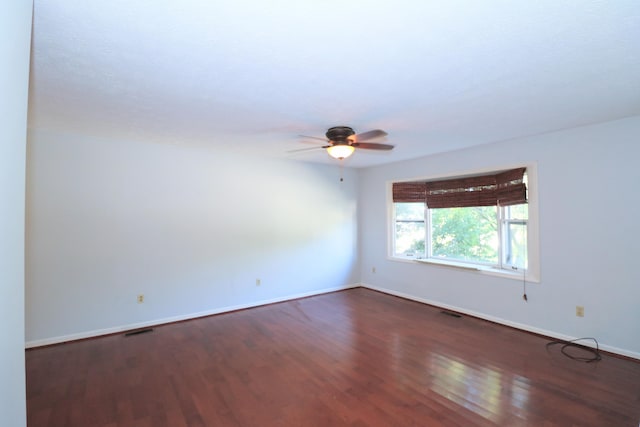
377,133
313,137
305,149
372,146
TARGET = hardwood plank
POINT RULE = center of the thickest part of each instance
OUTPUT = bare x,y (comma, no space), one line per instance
352,358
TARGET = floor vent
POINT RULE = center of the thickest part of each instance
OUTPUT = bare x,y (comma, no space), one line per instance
448,313
138,332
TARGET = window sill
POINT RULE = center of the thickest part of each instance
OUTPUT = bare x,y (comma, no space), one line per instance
488,270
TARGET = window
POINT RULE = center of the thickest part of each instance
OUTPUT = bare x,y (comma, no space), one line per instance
514,236
478,221
410,229
464,234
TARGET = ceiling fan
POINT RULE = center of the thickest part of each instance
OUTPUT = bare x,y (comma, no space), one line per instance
342,141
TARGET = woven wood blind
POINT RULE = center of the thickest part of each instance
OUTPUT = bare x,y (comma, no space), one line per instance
505,188
463,192
511,188
408,192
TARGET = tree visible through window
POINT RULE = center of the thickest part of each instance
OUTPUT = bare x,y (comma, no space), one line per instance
465,234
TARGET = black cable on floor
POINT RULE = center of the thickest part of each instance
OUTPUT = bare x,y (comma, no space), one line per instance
573,343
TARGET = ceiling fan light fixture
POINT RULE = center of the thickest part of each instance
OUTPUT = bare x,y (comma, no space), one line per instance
340,151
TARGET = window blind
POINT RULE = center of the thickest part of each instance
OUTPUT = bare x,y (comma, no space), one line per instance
408,192
503,188
511,187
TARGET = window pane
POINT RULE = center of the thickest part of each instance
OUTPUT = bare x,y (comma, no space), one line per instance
466,234
516,245
517,211
410,211
410,239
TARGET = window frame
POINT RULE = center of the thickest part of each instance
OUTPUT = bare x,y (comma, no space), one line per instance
531,274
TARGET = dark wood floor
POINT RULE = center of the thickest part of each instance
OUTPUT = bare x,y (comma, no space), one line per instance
351,358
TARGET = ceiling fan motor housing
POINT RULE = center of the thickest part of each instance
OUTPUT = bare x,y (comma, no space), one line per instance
339,134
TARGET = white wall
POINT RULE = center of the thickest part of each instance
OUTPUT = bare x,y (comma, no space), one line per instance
588,241
15,39
189,227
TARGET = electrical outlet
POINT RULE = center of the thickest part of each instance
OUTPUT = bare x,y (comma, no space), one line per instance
140,299
257,282
579,311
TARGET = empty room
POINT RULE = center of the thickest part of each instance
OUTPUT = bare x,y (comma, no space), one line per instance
305,213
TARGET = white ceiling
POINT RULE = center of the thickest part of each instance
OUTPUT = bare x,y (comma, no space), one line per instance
252,74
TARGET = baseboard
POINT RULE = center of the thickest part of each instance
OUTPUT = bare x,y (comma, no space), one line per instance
516,325
162,321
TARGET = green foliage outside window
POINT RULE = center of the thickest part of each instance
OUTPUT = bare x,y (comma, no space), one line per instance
468,234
